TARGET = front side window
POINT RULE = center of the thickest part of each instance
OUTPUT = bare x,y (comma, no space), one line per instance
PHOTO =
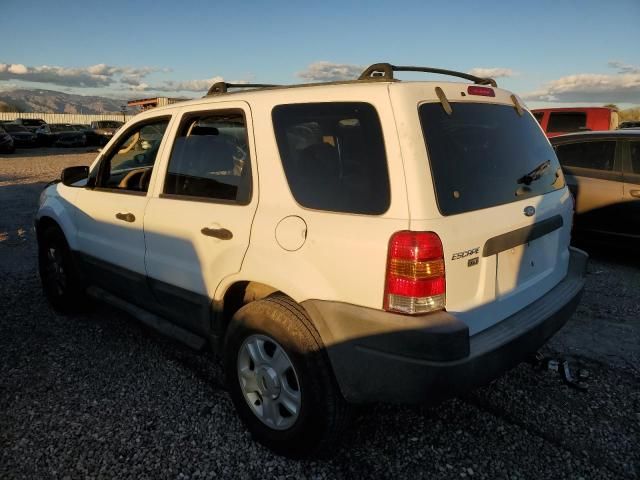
210,158
634,152
592,155
128,165
567,121
333,156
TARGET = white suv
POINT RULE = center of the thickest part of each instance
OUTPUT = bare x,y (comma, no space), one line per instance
372,240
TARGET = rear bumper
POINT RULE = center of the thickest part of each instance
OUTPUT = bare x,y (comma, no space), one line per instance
379,356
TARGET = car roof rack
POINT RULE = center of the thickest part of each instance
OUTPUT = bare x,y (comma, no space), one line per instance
223,87
384,72
376,72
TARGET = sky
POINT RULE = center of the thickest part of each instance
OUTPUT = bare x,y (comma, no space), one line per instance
549,52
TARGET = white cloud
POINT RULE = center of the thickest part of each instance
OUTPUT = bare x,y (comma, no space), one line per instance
188,85
330,72
588,87
17,69
624,67
496,72
621,87
100,75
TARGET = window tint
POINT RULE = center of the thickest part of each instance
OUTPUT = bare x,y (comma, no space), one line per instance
210,158
567,121
538,116
483,155
634,152
594,155
333,156
128,165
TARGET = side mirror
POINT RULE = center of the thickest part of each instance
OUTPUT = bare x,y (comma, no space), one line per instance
71,175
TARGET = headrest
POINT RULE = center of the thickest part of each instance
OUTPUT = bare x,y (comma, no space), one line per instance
200,130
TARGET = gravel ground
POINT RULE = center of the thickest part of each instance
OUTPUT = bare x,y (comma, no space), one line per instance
101,396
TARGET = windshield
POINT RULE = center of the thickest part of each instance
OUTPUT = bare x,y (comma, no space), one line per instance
483,155
14,128
61,128
32,123
108,124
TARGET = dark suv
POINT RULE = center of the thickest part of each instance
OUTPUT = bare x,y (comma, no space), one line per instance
603,172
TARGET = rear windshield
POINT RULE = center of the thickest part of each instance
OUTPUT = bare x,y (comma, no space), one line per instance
567,122
483,155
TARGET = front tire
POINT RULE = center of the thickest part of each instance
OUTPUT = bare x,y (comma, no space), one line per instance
280,379
60,278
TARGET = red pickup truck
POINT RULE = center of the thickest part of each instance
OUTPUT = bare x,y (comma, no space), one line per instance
556,121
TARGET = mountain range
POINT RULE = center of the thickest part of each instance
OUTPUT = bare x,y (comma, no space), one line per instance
50,101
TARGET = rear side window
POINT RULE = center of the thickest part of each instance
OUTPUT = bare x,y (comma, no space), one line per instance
333,156
592,155
567,121
483,155
538,116
210,158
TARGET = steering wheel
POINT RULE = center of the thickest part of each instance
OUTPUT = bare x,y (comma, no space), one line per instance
143,183
131,179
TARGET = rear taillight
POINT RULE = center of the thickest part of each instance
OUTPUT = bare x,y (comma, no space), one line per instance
415,281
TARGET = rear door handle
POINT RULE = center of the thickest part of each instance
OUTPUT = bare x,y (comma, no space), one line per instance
635,193
126,217
221,233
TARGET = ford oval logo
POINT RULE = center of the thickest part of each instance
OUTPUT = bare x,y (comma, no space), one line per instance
529,211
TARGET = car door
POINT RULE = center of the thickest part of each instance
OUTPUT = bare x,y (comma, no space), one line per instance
594,174
632,187
198,221
109,213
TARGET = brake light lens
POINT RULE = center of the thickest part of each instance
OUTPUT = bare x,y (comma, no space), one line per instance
415,281
482,91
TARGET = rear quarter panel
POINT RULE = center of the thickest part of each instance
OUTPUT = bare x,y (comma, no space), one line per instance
343,257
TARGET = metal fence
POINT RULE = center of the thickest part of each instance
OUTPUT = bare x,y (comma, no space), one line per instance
65,117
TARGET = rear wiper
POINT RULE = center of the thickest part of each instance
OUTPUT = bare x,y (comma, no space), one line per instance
535,174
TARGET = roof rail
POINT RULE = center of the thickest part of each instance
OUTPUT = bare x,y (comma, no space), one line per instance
384,71
222,87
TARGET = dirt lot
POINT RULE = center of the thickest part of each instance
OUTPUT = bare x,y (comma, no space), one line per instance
101,396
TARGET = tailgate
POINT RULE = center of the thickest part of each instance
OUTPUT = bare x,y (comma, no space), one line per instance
505,213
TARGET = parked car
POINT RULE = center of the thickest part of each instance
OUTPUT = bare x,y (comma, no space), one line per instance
603,172
398,244
630,124
60,135
105,129
558,121
31,124
22,137
92,137
6,142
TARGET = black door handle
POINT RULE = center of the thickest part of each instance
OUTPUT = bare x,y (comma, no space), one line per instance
127,217
635,193
221,233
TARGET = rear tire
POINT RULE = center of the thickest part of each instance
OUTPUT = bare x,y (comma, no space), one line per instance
281,381
60,278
